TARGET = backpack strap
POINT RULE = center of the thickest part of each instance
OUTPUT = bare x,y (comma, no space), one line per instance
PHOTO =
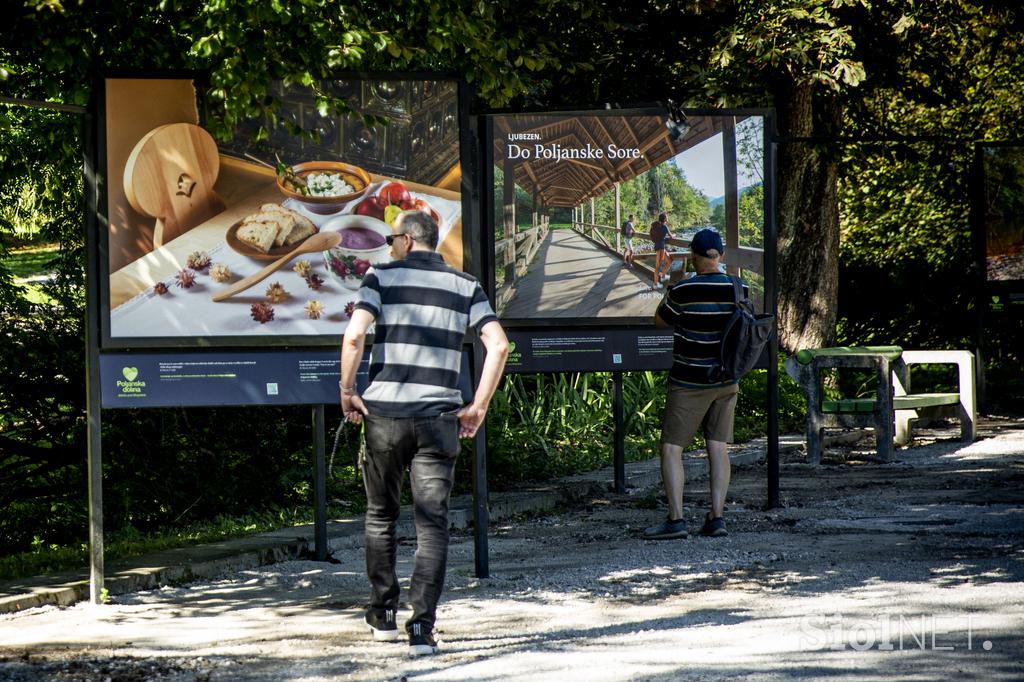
737,289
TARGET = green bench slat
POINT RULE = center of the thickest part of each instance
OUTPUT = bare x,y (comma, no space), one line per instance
806,355
915,401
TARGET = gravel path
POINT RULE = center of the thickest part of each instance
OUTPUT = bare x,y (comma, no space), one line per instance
910,570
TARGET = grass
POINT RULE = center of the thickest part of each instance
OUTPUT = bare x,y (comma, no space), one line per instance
30,260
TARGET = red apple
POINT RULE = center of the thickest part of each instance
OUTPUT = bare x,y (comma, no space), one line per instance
395,193
421,205
408,204
370,207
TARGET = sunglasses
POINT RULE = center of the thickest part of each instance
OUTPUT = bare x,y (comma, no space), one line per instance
390,239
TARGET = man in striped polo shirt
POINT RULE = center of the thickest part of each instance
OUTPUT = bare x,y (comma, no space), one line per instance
698,310
413,411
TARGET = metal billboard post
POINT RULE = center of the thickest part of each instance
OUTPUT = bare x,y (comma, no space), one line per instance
481,515
620,435
93,399
319,485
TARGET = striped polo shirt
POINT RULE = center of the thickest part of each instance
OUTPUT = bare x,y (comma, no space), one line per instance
422,309
699,309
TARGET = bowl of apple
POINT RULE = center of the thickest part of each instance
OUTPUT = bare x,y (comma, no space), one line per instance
390,200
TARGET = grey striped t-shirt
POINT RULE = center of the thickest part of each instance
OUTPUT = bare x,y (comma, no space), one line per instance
422,309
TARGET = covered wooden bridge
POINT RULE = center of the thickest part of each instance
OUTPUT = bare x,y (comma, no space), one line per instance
535,284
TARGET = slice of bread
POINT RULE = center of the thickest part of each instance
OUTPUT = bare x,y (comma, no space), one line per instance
298,226
285,223
303,228
258,233
274,225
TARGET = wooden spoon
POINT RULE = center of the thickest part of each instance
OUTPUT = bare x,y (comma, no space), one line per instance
318,242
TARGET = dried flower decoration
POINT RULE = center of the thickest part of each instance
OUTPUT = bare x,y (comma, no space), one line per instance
350,308
276,293
314,309
314,281
262,312
198,260
220,273
185,279
303,268
159,288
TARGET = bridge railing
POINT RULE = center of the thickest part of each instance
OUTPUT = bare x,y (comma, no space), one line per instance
737,260
516,254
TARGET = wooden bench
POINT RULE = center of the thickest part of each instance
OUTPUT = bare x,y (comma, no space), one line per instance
894,406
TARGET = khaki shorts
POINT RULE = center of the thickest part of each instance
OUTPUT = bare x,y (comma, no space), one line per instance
687,408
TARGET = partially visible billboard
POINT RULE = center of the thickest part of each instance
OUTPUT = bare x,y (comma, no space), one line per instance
566,184
1003,168
265,237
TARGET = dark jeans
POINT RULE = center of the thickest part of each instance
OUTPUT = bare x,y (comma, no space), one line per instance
427,446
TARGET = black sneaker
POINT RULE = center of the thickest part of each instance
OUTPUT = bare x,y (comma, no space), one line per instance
713,527
382,624
421,640
667,530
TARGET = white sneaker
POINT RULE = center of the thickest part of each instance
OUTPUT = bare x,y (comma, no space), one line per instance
657,286
664,278
421,641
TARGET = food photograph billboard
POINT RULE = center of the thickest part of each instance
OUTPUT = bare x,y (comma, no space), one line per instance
565,184
264,238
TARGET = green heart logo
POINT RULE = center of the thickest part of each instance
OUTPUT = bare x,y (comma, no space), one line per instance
512,347
130,373
995,299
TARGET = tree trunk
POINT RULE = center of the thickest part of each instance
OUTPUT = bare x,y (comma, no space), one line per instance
808,218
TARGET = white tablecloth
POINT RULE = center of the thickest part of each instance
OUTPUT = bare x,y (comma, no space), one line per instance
191,312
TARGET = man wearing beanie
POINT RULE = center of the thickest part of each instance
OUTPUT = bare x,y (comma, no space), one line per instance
697,309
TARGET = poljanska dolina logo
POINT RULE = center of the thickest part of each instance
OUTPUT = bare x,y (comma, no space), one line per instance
129,387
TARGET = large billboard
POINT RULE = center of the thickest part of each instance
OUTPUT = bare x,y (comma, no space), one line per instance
263,236
565,185
1003,214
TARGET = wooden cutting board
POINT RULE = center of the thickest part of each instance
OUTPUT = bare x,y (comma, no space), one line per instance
170,176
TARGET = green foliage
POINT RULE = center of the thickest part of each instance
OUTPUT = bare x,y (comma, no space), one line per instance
523,201
751,216
684,205
542,426
545,426
800,40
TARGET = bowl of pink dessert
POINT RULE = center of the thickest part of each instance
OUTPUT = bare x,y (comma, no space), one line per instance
363,243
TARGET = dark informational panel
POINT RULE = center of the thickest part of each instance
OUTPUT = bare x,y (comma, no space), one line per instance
177,379
588,350
246,378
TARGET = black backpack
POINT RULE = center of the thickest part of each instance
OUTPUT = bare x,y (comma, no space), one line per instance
745,336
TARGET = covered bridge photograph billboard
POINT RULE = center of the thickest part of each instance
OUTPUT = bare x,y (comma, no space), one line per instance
565,185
